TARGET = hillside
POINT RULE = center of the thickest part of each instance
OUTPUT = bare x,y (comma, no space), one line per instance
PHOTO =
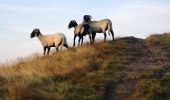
127,69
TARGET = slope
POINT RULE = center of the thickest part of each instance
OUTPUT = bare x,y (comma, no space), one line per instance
105,70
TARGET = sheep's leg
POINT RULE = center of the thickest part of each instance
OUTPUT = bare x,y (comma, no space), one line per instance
74,40
48,50
90,38
93,37
44,50
81,40
89,33
112,34
104,36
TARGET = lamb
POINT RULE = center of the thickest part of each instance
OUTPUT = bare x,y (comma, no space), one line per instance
80,31
48,41
100,26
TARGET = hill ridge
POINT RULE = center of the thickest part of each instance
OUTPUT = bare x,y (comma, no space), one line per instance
117,70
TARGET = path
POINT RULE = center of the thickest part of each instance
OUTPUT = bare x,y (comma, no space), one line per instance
142,58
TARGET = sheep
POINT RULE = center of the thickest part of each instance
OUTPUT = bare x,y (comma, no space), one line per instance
48,41
100,26
80,31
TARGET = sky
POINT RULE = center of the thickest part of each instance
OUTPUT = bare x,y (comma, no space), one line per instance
18,18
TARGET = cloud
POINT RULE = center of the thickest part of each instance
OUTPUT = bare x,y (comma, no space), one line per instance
29,8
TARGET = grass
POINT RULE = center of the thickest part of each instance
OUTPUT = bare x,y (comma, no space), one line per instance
159,41
154,85
82,73
77,74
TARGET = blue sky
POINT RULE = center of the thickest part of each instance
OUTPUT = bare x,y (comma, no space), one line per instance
18,18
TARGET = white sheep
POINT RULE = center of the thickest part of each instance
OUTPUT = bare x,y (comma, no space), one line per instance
80,31
100,26
48,41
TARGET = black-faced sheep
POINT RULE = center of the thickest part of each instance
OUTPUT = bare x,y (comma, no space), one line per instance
80,30
100,26
48,41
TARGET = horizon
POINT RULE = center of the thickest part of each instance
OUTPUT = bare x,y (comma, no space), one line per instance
129,18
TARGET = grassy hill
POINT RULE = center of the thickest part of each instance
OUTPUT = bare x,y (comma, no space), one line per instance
129,68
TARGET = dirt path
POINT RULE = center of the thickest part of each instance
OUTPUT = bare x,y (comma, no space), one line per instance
142,58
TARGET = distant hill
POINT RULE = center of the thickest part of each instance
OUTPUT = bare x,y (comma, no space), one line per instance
128,68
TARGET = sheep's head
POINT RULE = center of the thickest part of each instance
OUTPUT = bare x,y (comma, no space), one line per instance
72,23
87,18
35,32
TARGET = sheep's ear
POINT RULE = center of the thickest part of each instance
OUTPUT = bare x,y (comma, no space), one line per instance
73,21
36,30
90,17
32,34
87,18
